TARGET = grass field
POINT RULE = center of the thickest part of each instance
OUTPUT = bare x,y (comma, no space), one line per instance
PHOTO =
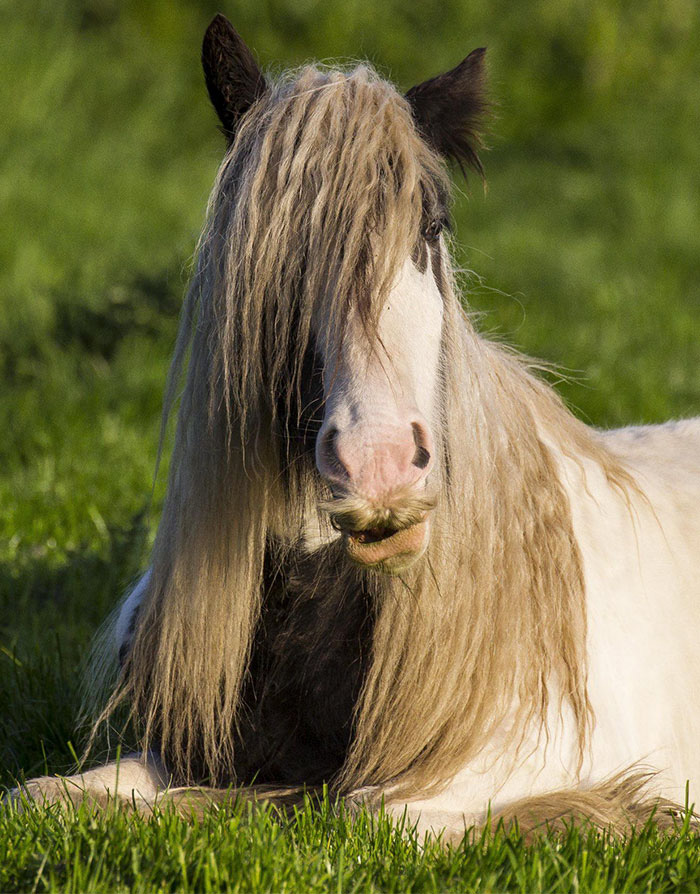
586,252
319,850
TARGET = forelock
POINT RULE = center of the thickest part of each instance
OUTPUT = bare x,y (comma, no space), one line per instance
318,203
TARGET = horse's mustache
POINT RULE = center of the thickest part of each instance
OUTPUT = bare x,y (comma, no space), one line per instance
353,512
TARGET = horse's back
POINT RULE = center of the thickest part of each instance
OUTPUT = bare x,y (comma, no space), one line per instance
665,461
670,451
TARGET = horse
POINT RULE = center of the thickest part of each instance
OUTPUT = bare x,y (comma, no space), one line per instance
390,559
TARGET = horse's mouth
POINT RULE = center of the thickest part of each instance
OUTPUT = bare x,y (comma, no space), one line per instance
390,548
373,535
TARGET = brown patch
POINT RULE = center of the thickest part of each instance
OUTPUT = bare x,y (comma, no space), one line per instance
310,653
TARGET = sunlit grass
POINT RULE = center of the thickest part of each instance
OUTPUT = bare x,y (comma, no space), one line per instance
320,848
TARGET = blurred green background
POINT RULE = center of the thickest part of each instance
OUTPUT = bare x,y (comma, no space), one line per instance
585,251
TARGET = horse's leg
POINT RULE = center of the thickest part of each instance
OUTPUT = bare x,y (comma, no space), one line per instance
620,803
135,780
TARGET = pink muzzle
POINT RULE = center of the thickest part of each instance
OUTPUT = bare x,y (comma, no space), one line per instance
382,465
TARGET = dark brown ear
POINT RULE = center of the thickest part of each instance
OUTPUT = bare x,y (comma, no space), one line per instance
450,111
232,75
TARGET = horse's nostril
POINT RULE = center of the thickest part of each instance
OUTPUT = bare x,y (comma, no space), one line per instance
421,457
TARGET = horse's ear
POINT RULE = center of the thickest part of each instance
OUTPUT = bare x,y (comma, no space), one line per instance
232,75
451,108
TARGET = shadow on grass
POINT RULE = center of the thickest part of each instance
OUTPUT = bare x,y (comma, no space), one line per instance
143,304
49,613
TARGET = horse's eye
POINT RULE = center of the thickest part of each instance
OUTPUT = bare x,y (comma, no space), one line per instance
432,231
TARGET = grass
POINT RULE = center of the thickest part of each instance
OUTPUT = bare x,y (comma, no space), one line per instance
587,250
321,849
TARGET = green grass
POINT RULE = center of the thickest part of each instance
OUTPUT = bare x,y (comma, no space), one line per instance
587,253
321,849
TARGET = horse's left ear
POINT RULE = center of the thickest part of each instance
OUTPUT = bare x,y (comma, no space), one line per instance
450,110
232,75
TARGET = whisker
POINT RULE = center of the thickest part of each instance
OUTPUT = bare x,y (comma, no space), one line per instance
355,513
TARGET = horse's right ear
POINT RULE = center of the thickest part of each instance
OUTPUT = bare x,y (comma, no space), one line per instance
232,75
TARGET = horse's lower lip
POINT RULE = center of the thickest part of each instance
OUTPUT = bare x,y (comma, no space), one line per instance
369,548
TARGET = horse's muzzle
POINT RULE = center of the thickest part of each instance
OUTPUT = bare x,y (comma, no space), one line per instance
387,537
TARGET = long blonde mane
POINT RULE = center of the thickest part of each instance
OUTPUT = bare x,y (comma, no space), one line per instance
316,205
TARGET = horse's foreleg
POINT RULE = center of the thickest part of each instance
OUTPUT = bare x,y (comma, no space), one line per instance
618,804
135,780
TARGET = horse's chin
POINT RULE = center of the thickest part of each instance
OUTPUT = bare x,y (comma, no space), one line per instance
392,554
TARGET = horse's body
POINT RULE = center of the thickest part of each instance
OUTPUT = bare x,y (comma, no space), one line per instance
506,607
643,607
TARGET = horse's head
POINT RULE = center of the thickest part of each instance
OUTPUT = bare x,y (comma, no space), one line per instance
343,197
